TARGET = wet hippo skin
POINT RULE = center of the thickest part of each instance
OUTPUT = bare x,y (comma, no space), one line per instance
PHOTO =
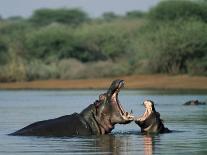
194,102
151,122
98,118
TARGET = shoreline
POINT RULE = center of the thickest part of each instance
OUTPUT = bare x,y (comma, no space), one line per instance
143,82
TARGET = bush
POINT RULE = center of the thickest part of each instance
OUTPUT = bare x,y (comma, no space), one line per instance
135,14
179,9
14,70
170,47
71,69
107,40
51,42
3,50
38,70
197,66
65,16
109,16
57,42
12,37
14,29
106,69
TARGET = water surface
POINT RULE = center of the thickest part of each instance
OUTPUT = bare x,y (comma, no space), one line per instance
20,108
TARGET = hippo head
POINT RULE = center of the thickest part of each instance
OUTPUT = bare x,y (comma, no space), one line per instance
109,110
150,121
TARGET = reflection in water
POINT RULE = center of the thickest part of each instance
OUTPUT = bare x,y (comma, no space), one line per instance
109,144
118,144
148,144
121,144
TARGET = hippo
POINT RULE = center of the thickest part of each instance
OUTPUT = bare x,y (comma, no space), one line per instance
96,119
150,122
194,102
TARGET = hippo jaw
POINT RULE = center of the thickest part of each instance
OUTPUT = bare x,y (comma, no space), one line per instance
149,109
151,122
119,115
148,121
110,111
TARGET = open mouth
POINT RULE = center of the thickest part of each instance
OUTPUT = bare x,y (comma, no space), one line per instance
148,111
116,103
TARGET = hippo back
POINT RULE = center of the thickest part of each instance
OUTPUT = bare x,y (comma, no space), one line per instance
63,126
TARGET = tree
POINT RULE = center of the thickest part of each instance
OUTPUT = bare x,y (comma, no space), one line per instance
64,16
176,9
109,16
135,14
3,51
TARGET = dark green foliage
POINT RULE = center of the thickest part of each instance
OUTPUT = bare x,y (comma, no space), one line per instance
171,47
109,16
15,19
3,50
63,43
107,40
54,41
64,16
179,9
198,66
57,42
7,28
135,14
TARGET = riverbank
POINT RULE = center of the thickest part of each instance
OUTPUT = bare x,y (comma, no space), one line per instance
179,82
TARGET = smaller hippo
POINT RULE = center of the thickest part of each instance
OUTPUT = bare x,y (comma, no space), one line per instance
194,102
150,122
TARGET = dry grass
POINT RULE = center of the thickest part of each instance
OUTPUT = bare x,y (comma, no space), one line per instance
132,82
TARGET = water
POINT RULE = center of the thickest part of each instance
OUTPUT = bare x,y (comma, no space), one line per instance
20,108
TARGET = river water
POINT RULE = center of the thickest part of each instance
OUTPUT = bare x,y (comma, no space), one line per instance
20,108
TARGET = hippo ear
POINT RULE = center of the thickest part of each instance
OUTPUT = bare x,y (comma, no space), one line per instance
103,99
96,103
100,108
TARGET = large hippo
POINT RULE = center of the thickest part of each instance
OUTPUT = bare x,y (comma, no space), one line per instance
150,122
98,118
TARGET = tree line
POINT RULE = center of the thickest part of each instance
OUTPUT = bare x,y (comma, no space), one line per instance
66,43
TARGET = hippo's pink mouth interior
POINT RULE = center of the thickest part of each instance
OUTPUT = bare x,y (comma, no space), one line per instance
117,105
148,111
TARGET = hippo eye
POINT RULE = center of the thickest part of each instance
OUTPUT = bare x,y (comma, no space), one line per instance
96,103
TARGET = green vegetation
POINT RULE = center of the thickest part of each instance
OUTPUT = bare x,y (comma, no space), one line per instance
179,9
43,17
66,44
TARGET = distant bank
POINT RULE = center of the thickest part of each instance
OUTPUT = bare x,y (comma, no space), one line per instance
178,82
